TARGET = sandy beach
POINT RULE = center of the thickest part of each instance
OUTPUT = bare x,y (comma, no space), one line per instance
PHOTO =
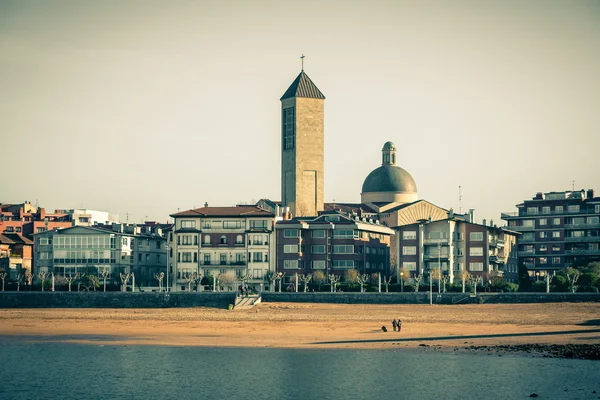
300,325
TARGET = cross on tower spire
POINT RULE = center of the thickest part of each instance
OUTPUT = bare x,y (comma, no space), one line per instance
302,58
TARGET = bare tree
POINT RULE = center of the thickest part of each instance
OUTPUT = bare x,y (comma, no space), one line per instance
549,277
188,278
159,277
445,279
333,281
3,277
245,279
279,278
464,277
418,279
272,278
29,278
42,276
305,279
362,279
80,277
124,279
197,278
226,278
475,280
386,281
70,278
104,274
18,280
320,278
572,275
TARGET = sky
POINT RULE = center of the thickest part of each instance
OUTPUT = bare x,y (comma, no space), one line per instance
149,107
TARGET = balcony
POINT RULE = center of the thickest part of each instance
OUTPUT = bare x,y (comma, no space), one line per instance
519,228
506,215
430,242
435,256
525,253
582,252
582,239
581,226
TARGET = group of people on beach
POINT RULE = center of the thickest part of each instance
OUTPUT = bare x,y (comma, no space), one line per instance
397,324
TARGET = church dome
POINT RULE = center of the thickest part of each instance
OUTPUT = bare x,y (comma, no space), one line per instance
389,183
389,178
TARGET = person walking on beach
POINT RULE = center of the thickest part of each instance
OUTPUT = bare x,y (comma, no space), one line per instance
394,323
399,324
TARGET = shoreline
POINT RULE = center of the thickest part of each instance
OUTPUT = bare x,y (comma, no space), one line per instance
557,329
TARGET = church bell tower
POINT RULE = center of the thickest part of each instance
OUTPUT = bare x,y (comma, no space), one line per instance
302,147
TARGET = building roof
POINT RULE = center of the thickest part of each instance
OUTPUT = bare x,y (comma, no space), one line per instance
17,238
303,87
389,178
239,211
5,240
348,208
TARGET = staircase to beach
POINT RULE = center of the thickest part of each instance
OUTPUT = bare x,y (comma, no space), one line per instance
246,302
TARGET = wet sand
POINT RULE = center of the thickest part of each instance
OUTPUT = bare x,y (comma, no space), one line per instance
302,325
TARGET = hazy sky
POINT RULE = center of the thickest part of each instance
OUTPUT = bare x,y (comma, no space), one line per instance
148,107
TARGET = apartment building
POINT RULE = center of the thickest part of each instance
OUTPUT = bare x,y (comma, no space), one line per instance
558,229
454,245
332,242
211,241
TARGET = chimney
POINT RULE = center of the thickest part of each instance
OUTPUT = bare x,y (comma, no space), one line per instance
492,222
472,215
451,213
590,193
206,204
484,221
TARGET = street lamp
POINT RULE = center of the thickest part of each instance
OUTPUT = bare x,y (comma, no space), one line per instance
439,266
537,276
402,281
430,288
167,254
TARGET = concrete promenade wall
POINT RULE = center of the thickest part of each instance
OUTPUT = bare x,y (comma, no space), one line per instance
113,300
423,298
27,299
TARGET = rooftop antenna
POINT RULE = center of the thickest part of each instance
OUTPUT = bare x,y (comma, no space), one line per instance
573,186
302,58
459,199
127,217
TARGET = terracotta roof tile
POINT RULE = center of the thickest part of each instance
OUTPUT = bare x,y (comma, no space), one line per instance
240,211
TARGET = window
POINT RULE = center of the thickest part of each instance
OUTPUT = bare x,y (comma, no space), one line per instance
317,233
532,210
543,221
529,223
260,224
318,264
546,210
290,248
597,208
10,229
343,249
409,235
543,235
223,240
158,258
590,220
343,234
206,239
317,249
342,264
476,251
186,240
290,233
139,257
555,260
331,218
186,256
555,248
257,256
232,224
543,260
558,209
289,128
195,241
223,259
195,257
17,229
239,239
409,265
556,234
556,221
476,266
188,224
207,225
573,208
409,250
578,234
290,264
43,241
39,230
476,236
528,236
543,247
206,259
